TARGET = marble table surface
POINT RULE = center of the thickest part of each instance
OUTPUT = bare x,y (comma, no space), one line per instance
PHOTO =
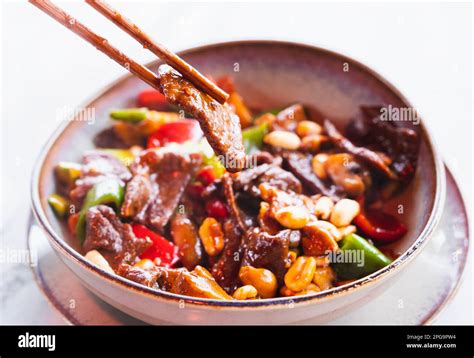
424,49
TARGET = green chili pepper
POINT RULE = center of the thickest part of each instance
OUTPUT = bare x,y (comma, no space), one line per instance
131,115
109,191
360,258
124,155
68,172
59,204
253,138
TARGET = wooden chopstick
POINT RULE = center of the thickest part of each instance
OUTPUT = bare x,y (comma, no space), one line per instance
188,72
97,41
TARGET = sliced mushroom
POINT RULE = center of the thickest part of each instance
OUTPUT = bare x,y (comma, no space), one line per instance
185,236
368,156
198,284
343,170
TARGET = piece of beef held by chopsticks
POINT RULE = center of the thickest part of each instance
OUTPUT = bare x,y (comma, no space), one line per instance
220,125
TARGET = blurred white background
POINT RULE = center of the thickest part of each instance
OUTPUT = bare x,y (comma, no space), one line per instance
423,49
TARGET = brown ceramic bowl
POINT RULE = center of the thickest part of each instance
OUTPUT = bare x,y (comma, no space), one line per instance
271,74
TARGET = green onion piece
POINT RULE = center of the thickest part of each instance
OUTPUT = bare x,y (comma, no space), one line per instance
131,115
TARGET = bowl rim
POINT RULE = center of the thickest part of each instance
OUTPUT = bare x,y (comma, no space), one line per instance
61,245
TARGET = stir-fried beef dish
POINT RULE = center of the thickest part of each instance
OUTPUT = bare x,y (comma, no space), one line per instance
185,195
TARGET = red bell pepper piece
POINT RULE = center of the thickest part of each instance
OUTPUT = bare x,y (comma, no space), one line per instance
175,132
204,177
216,209
379,226
207,175
195,189
162,252
152,99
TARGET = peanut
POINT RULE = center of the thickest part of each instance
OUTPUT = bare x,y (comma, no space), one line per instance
347,230
292,217
211,236
318,164
324,277
313,142
245,292
344,212
292,255
333,230
300,274
282,139
285,291
262,279
264,207
322,261
311,288
323,207
305,128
